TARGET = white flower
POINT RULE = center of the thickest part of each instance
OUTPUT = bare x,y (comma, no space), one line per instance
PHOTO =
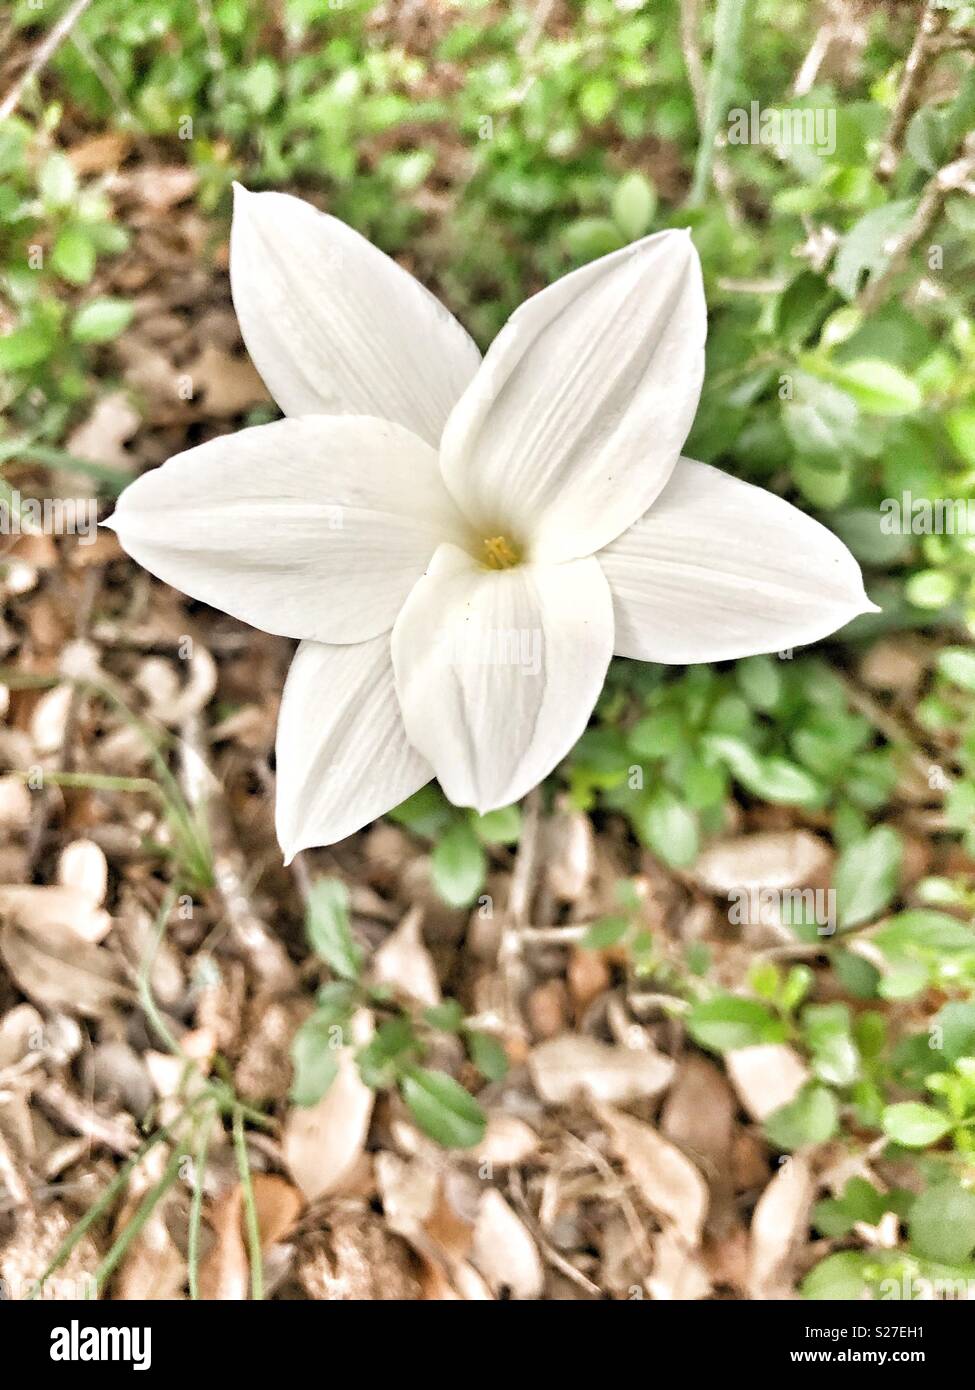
461,546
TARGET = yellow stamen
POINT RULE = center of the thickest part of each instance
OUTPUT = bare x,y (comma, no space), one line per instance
499,553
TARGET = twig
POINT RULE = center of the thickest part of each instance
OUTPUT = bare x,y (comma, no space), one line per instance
527,45
266,954
697,78
44,52
916,67
894,732
81,1118
107,78
813,61
948,180
65,757
554,1256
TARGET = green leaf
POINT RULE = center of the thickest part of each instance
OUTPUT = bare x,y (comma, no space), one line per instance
73,256
827,1032
500,827
393,1047
606,932
760,681
588,238
858,977
812,1118
315,1055
729,1022
957,664
657,735
821,420
443,1109
922,931
668,827
866,876
930,588
915,1125
634,204
57,181
260,85
448,1017
773,779
101,320
960,424
487,1054
957,1024
597,97
942,1223
458,865
328,930
878,387
24,348
863,249
427,812
840,1277
859,1201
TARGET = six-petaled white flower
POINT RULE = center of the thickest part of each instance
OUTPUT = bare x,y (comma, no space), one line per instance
461,546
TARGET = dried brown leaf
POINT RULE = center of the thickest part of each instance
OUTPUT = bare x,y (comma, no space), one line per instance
322,1143
667,1180
779,1227
504,1250
57,969
766,1077
572,1064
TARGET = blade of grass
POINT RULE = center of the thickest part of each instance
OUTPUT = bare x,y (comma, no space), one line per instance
143,1212
729,23
192,839
99,1208
196,1204
146,999
250,1208
113,480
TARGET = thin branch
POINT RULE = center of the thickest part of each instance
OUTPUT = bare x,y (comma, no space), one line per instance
43,54
950,179
919,60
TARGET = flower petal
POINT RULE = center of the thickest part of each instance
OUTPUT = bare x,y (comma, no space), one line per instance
579,411
315,528
342,754
718,569
334,326
497,671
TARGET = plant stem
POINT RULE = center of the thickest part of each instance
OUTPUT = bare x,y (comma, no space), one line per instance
196,1205
250,1209
145,1209
729,22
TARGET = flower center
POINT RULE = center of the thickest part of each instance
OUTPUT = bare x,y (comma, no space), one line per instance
499,553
